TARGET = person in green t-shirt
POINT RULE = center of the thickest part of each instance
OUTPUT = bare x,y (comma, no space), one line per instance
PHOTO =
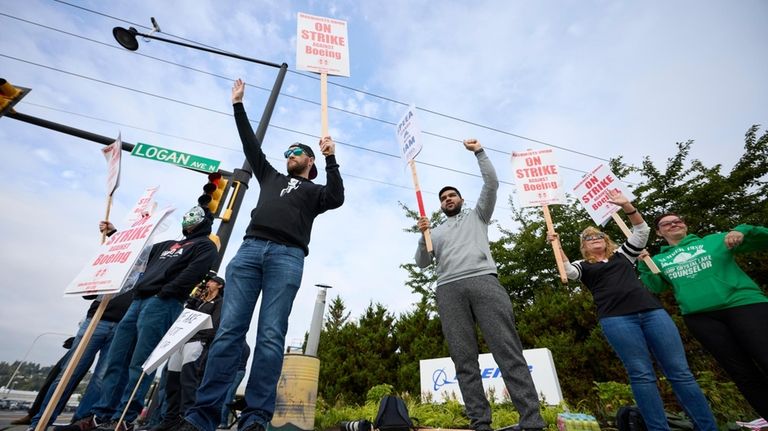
721,305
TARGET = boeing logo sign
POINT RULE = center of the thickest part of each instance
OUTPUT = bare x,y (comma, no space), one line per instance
439,382
440,377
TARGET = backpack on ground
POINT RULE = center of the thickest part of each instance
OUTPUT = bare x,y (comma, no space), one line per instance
628,418
393,415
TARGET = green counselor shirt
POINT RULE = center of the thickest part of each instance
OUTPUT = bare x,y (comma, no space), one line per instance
703,273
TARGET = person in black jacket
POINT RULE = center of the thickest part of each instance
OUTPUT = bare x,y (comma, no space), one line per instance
174,268
270,263
185,365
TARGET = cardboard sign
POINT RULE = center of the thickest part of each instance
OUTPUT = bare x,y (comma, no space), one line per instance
439,383
409,135
592,192
322,45
112,154
187,325
108,270
537,178
144,207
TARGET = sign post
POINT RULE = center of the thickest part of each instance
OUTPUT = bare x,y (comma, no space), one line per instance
539,184
322,47
409,138
592,192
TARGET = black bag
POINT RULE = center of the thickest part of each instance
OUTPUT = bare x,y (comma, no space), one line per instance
392,415
628,418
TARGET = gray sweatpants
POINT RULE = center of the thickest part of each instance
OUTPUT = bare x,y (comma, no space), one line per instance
484,301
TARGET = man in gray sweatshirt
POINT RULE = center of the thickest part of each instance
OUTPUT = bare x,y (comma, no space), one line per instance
469,293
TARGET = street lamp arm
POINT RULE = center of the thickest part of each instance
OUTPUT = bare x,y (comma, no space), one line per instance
124,36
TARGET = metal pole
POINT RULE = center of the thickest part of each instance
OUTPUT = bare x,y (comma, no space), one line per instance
83,134
213,51
88,136
243,176
313,340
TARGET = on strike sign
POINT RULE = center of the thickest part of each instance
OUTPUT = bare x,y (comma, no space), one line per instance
322,45
107,271
592,192
537,178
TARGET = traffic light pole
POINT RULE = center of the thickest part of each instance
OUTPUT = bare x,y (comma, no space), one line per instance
242,176
79,133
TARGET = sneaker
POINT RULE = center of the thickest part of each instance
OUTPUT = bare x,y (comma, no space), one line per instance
111,426
125,426
185,425
84,424
167,424
254,426
24,420
106,426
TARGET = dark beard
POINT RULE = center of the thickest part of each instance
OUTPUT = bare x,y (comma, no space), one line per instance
298,168
453,212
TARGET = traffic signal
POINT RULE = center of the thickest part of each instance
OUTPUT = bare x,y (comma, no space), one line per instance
214,193
9,96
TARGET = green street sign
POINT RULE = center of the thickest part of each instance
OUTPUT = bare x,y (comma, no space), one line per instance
178,158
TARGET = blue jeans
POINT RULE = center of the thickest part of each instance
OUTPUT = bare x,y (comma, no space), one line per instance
100,342
137,335
259,267
230,398
635,337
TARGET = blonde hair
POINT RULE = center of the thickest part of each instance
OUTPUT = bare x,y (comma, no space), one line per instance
610,246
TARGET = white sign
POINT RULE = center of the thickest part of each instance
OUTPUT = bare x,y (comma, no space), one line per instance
187,325
409,135
438,377
112,154
322,45
537,178
144,207
592,192
108,270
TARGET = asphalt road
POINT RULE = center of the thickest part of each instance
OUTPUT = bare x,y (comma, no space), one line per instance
6,416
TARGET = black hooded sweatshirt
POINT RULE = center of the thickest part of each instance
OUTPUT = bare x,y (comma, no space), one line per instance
288,204
174,267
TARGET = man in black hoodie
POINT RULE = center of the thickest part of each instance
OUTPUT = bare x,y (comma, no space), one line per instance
174,268
270,264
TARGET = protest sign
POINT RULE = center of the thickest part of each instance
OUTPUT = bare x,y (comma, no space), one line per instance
538,183
409,140
409,135
106,272
592,192
322,45
537,178
185,326
112,154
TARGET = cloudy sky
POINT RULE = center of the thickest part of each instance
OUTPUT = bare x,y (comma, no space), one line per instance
595,79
